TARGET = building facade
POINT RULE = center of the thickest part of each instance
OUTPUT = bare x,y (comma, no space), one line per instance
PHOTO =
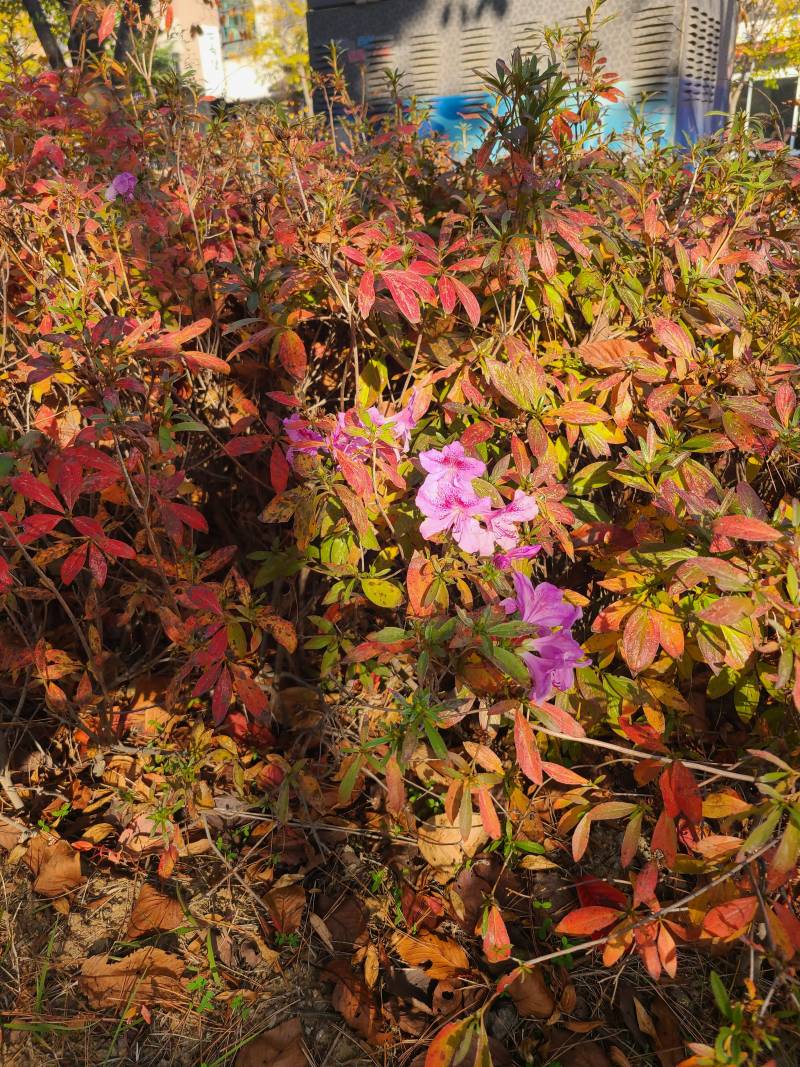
217,41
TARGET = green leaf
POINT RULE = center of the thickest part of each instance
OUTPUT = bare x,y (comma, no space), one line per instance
382,592
511,664
720,995
389,634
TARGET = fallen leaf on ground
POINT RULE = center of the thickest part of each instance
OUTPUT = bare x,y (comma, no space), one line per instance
441,844
438,957
531,996
286,903
147,976
10,833
282,1046
355,1003
55,864
668,1044
153,910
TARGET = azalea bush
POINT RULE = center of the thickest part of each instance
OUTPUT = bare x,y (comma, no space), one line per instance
493,458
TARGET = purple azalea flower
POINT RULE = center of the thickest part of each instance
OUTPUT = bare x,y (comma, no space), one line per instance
455,507
301,437
123,185
451,464
540,605
502,523
504,560
553,664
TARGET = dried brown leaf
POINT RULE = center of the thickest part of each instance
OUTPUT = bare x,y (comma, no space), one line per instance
153,910
282,1046
531,995
286,903
55,864
441,844
147,976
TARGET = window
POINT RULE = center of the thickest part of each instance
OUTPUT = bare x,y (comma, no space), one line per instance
237,21
775,103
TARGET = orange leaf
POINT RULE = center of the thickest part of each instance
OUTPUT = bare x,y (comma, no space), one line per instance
528,756
448,1043
496,942
731,919
292,353
640,639
107,21
585,921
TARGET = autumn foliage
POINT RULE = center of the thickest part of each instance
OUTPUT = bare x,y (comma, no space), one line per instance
458,497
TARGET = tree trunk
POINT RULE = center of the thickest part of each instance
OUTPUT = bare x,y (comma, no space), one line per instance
125,32
45,34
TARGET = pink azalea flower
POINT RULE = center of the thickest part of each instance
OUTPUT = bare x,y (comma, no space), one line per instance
402,422
505,560
457,508
502,523
451,463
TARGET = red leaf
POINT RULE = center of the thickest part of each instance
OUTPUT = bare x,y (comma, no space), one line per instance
528,757
468,302
117,549
188,516
32,489
366,293
447,293
222,697
251,695
405,286
665,839
673,338
204,599
745,528
168,16
547,256
73,564
46,148
107,21
356,473
644,891
278,470
395,787
496,942
97,564
555,718
681,793
171,342
640,639
204,360
292,354
731,919
587,921
595,892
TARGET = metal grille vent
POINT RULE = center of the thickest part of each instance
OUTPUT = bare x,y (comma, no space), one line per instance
379,56
702,49
476,55
424,62
653,34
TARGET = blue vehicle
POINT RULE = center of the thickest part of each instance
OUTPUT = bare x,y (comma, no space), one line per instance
672,57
